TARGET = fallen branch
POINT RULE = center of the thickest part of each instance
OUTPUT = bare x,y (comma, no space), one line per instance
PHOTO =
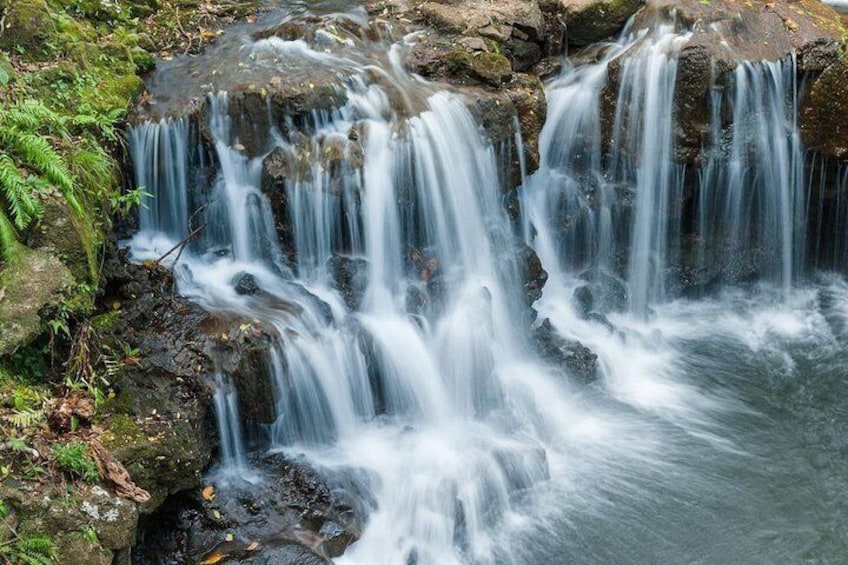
181,244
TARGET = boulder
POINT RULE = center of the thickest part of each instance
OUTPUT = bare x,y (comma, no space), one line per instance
499,21
578,360
588,21
31,286
824,116
533,274
245,284
87,524
27,25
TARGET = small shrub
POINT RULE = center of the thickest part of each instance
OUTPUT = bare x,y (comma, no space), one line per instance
73,459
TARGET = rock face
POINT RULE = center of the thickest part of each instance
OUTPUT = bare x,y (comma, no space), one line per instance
158,420
589,21
824,117
725,33
290,517
30,286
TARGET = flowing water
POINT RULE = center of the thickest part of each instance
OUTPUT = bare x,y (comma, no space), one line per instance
715,433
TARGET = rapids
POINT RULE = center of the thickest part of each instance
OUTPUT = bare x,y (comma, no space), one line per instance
715,431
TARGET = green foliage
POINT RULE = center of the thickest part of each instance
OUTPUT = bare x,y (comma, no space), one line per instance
29,363
30,166
73,459
30,550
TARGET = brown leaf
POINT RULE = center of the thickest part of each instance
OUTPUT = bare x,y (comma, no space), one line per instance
208,493
117,474
213,557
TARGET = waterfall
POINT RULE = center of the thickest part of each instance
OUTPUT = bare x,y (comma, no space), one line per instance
622,209
403,357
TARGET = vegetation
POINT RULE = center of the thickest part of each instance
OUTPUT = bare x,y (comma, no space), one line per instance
73,459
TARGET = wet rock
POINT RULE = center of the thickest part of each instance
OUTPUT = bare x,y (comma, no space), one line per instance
608,292
582,301
245,284
350,277
522,100
291,517
277,168
524,55
547,68
160,424
242,349
589,21
824,116
724,34
33,285
533,274
578,360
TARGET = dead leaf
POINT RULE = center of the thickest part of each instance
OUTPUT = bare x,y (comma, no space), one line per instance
254,545
208,493
213,557
113,470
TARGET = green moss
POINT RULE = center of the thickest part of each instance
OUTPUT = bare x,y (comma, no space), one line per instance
121,430
29,29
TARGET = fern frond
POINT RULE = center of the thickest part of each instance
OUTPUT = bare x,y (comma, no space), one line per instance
93,168
33,115
17,193
37,153
8,238
32,550
25,418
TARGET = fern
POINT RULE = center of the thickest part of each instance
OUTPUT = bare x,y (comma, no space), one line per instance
34,115
31,550
36,152
16,190
25,418
93,168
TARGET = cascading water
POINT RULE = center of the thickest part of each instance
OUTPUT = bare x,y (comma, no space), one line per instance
424,390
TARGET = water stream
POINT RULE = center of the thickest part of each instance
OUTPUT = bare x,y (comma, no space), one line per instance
715,431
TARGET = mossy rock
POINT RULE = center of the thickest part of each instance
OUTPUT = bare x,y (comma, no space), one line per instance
824,117
490,68
33,283
29,28
79,549
66,237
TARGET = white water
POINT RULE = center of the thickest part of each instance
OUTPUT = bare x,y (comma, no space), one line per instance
473,449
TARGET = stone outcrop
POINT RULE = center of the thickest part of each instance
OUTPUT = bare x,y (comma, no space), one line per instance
588,21
725,33
824,117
